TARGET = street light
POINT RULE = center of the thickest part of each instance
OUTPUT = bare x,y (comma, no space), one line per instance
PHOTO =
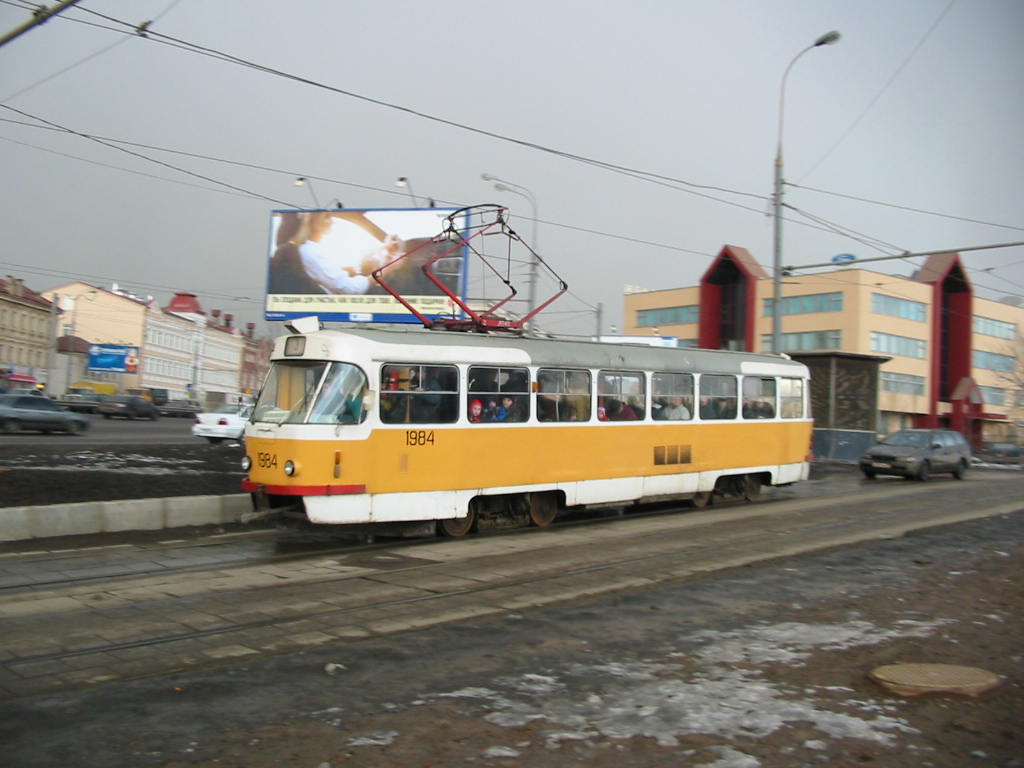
402,181
516,189
828,38
302,181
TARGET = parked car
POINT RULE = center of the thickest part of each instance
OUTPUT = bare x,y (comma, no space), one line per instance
179,408
127,407
999,451
226,423
79,403
31,412
918,454
34,391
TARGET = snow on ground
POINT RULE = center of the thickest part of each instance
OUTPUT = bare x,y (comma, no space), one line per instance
715,687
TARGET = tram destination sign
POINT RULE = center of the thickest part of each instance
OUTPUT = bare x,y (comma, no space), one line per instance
320,262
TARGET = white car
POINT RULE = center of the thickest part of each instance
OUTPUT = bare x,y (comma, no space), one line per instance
226,423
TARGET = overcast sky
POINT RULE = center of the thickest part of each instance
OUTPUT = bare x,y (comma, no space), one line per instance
919,106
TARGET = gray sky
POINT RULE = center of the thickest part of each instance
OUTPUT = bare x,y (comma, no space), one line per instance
919,105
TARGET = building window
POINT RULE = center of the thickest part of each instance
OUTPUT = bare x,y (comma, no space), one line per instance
806,305
998,328
902,383
993,395
649,318
806,341
894,307
888,344
991,361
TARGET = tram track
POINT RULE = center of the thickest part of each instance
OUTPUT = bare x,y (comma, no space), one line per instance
312,549
145,626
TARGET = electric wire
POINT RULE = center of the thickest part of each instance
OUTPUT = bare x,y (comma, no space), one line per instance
884,88
907,208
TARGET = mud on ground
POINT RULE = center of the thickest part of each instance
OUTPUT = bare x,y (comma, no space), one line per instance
62,474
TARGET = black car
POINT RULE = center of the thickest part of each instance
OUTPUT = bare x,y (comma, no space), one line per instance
128,407
22,412
188,408
918,454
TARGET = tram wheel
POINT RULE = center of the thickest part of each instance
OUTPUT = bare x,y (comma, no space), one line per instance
702,499
751,487
543,509
456,527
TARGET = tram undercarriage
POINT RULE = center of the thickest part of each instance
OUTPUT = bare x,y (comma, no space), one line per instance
496,511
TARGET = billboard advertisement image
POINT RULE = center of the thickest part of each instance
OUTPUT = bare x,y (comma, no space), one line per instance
321,262
113,358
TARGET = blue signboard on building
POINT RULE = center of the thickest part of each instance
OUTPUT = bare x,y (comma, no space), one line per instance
113,358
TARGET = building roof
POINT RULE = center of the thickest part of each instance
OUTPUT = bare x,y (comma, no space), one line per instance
743,260
939,266
14,288
72,345
185,303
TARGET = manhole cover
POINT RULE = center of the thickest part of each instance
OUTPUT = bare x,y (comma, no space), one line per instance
917,679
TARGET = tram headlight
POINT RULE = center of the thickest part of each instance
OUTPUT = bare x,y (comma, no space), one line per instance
246,463
290,468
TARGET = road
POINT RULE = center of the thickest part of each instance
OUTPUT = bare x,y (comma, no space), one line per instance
165,430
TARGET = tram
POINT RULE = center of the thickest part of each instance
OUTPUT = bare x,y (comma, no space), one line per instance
423,429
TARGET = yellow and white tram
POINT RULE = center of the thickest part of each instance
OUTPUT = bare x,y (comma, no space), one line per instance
370,426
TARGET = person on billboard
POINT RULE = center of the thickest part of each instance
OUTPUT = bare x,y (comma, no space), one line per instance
287,275
320,263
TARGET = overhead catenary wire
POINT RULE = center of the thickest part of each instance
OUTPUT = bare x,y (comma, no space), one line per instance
664,180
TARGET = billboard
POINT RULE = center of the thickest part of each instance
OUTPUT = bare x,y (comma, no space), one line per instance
113,358
320,263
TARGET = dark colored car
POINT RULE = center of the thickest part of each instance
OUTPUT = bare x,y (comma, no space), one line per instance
30,412
78,403
999,451
128,407
179,408
918,454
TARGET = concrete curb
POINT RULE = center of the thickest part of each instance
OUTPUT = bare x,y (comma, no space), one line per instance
38,522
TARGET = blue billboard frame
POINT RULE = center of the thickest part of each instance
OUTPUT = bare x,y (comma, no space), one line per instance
113,358
319,263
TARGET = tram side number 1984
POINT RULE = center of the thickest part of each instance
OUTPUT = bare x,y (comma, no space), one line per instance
419,437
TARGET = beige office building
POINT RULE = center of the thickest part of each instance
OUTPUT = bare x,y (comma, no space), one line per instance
943,356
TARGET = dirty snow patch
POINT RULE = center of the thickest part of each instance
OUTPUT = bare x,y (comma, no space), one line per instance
725,694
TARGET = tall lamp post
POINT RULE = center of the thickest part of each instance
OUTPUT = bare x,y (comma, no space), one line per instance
516,189
302,181
828,38
403,181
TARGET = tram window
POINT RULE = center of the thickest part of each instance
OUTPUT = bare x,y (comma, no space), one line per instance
340,400
672,396
717,397
758,398
498,394
288,392
791,398
563,395
419,394
620,396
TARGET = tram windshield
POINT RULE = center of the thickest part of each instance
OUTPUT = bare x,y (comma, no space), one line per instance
312,392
